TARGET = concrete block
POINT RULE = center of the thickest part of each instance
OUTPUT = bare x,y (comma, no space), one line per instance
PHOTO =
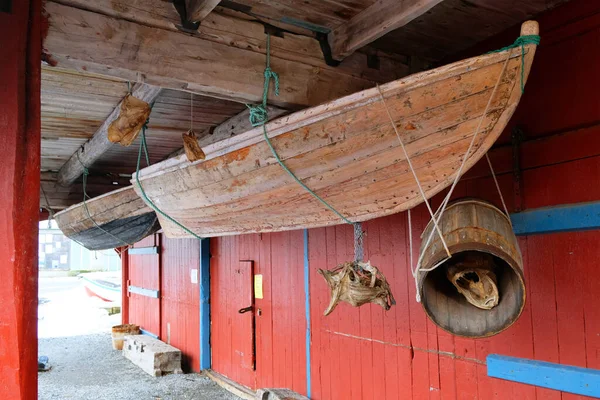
152,355
279,394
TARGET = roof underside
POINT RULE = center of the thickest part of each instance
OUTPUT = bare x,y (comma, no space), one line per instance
75,104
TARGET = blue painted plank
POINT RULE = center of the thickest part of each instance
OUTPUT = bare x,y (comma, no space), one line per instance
565,218
148,333
566,378
307,311
205,350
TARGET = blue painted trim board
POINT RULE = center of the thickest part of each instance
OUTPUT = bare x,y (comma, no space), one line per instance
204,280
566,378
565,218
148,333
307,311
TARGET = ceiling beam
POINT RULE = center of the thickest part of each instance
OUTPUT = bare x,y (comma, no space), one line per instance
224,61
99,144
374,22
197,10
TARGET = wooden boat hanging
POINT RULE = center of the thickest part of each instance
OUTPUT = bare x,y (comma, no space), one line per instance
115,219
346,151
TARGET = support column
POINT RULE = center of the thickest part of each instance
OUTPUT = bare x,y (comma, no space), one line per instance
20,41
124,285
205,349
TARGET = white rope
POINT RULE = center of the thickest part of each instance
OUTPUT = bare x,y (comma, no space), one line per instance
487,157
191,111
442,208
414,173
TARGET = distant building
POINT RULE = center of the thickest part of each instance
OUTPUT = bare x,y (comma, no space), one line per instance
57,252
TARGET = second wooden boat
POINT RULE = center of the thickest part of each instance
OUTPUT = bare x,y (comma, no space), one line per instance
346,151
115,219
104,285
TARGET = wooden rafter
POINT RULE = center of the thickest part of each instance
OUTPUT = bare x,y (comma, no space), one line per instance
224,59
374,22
99,144
197,10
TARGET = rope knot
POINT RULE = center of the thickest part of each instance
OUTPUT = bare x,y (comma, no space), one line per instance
258,114
269,73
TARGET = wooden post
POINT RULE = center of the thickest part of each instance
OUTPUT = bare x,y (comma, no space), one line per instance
124,285
20,41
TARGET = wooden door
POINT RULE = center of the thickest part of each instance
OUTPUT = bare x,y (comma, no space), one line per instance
143,287
243,316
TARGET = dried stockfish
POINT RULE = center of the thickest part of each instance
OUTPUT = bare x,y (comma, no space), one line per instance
134,114
193,151
474,278
357,283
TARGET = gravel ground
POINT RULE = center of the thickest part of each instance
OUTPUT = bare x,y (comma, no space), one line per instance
86,368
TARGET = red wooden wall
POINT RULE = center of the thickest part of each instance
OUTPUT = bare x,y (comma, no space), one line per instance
175,315
366,353
280,330
144,272
180,298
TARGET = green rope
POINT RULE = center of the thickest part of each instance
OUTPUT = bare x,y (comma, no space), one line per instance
258,113
86,197
521,41
144,196
260,116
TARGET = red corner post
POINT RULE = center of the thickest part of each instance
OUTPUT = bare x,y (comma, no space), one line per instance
20,41
124,285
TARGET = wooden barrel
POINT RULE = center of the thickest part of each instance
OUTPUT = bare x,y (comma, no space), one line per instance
478,233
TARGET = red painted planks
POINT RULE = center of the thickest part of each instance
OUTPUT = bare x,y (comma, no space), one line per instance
144,273
280,331
180,298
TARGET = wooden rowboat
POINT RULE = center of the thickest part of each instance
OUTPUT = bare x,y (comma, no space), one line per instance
118,218
104,285
346,151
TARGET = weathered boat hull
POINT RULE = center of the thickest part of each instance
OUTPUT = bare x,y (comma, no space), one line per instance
346,151
115,219
106,287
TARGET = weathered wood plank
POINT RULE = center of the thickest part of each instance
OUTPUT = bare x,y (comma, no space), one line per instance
197,10
374,22
99,144
238,30
224,59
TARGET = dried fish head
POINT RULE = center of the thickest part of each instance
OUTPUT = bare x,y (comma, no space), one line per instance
357,284
475,279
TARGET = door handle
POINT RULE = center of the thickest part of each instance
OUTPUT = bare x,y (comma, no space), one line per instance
245,310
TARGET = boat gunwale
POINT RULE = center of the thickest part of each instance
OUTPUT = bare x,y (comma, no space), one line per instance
95,199
327,110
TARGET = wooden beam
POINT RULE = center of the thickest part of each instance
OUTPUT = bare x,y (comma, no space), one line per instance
197,10
20,41
99,144
235,29
227,64
235,125
374,22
